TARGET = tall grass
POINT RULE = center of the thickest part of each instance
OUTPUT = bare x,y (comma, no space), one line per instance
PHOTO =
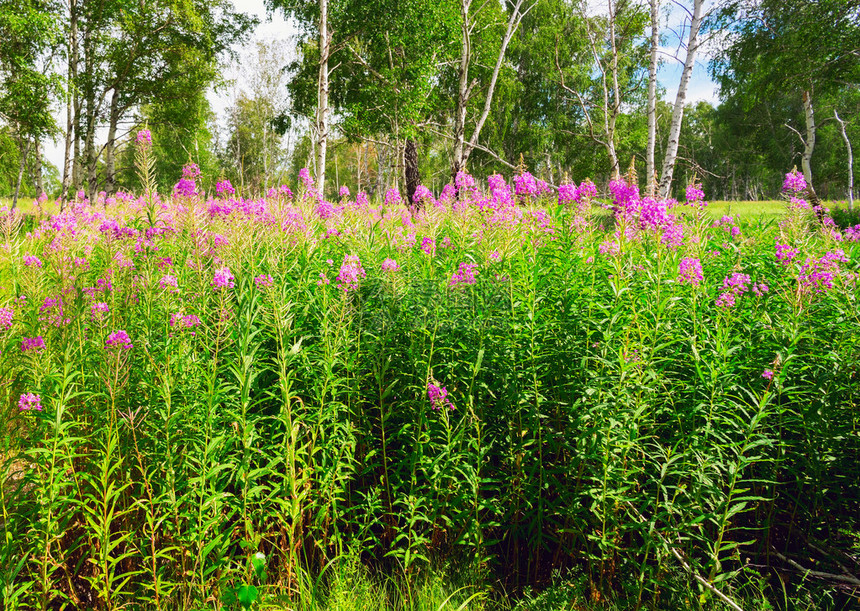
599,413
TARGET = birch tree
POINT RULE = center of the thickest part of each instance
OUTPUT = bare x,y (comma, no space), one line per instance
650,168
470,19
804,49
850,158
680,99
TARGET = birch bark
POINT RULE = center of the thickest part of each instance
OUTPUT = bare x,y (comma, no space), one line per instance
680,99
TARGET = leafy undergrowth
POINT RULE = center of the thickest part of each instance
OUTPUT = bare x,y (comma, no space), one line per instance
217,402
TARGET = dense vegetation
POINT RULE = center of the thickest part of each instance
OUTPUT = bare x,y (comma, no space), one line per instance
655,406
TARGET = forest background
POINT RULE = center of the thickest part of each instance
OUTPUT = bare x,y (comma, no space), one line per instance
374,95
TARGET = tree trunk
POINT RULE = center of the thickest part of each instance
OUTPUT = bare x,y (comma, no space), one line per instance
514,21
809,141
40,184
21,167
72,107
680,99
850,160
90,150
110,147
322,98
413,177
463,91
650,169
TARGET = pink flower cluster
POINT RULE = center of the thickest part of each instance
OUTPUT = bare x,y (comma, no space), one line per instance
525,185
223,188
264,281
98,310
118,340
390,265
785,254
392,198
729,224
223,279
690,270
428,245
818,274
351,272
423,194
184,321
733,287
144,137
30,401
464,275
794,182
695,196
343,191
32,261
33,343
6,315
438,396
168,282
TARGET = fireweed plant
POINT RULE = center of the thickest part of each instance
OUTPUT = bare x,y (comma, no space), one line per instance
490,377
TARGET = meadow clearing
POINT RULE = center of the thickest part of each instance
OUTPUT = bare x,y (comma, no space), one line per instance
500,396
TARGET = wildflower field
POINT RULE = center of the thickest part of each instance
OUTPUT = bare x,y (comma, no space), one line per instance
210,401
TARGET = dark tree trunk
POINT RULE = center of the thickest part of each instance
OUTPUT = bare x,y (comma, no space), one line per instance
39,180
110,147
21,167
413,177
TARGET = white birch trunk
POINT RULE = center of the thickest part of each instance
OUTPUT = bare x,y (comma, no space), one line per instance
850,160
322,98
463,90
809,141
650,169
680,99
514,21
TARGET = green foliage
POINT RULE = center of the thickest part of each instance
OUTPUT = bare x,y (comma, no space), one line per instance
604,416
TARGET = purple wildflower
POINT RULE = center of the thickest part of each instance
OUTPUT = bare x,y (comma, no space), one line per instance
187,321
350,273
305,177
695,195
118,340
29,401
144,137
690,270
33,343
767,374
264,281
224,188
525,185
99,310
168,281
785,254
32,261
344,191
422,194
392,197
733,287
6,315
794,182
567,194
428,245
464,275
438,396
223,279
390,265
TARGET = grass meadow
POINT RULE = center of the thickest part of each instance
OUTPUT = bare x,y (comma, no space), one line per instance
504,397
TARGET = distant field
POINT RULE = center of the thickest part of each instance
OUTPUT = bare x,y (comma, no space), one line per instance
746,209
